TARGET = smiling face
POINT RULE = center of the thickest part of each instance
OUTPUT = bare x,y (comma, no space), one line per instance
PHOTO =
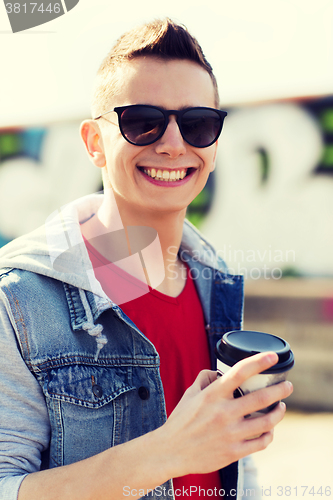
167,175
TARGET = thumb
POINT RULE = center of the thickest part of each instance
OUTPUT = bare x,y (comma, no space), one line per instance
204,378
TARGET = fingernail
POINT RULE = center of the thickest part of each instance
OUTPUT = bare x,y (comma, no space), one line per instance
272,357
284,406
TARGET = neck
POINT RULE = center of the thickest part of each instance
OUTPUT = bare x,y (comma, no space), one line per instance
116,230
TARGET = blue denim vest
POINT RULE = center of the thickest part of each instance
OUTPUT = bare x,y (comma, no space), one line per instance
100,394
97,403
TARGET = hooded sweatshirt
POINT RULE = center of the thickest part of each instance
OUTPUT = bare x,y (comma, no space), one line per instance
57,251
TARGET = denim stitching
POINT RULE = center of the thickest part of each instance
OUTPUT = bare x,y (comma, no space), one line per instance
17,313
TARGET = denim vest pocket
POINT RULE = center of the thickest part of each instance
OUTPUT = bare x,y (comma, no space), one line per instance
87,405
87,386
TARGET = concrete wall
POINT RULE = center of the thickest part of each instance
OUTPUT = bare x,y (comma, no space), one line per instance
301,312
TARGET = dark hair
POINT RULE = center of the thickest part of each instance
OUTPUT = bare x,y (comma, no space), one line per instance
164,39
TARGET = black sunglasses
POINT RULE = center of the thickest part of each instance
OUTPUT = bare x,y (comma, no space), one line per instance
142,124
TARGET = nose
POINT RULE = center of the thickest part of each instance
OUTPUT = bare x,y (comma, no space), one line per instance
171,142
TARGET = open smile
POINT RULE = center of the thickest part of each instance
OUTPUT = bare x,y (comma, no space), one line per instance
174,177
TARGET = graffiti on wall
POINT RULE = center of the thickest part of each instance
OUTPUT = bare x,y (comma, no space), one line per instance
41,169
272,216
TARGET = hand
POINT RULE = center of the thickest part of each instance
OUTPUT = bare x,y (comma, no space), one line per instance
207,430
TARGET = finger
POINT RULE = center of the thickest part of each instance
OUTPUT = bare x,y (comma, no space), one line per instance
205,378
256,427
262,398
250,446
245,369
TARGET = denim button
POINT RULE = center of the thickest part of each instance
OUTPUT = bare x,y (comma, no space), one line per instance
97,390
143,392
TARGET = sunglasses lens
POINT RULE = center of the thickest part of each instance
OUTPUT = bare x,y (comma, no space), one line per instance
141,125
201,127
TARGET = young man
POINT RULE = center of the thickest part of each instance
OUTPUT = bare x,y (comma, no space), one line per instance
110,312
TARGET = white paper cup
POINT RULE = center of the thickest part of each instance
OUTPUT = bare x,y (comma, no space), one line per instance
239,344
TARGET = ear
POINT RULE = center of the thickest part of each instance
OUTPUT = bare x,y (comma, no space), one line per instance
92,138
214,157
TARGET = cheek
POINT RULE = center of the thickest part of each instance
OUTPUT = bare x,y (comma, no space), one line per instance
114,156
214,153
209,160
212,165
121,161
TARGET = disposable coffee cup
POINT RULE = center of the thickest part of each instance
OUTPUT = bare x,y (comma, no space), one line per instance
239,344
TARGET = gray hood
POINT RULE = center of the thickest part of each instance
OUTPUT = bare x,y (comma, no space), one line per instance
57,249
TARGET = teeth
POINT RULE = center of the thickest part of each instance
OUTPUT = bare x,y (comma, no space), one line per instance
166,175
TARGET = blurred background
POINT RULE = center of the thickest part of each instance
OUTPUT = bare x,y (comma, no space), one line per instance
267,208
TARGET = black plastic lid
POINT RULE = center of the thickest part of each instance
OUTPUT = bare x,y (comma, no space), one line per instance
240,344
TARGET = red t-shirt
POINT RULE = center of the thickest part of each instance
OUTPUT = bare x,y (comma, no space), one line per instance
175,325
